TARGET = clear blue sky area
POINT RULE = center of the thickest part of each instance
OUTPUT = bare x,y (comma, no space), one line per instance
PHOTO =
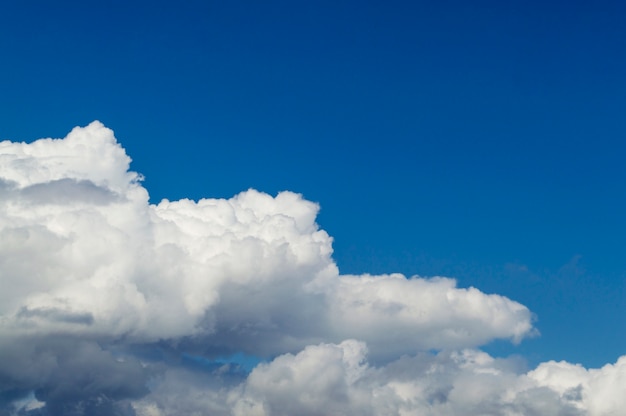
479,140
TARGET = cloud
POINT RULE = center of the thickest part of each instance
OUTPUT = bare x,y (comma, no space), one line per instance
338,379
468,383
103,293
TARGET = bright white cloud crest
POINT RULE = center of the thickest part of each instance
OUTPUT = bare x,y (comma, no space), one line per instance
94,278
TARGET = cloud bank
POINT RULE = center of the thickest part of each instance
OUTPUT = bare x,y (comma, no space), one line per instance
110,305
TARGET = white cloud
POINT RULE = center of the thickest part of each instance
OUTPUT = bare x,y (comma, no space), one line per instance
323,380
85,258
391,312
337,379
251,270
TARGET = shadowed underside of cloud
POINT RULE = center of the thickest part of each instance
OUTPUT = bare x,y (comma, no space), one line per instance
103,294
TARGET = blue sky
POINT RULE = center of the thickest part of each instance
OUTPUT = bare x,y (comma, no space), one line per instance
479,141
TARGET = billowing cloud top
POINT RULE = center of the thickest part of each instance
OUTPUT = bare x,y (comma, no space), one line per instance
103,293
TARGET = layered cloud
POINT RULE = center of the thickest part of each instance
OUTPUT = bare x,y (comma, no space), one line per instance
104,294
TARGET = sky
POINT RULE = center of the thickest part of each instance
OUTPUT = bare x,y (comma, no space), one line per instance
384,203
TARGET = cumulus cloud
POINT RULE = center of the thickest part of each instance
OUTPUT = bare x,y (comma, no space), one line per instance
338,379
103,293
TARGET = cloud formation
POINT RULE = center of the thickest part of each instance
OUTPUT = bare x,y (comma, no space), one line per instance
106,298
338,379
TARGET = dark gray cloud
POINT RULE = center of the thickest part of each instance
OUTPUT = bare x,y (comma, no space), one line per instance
96,406
56,314
71,376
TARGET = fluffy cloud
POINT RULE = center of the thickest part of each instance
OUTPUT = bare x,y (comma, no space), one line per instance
337,379
103,293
